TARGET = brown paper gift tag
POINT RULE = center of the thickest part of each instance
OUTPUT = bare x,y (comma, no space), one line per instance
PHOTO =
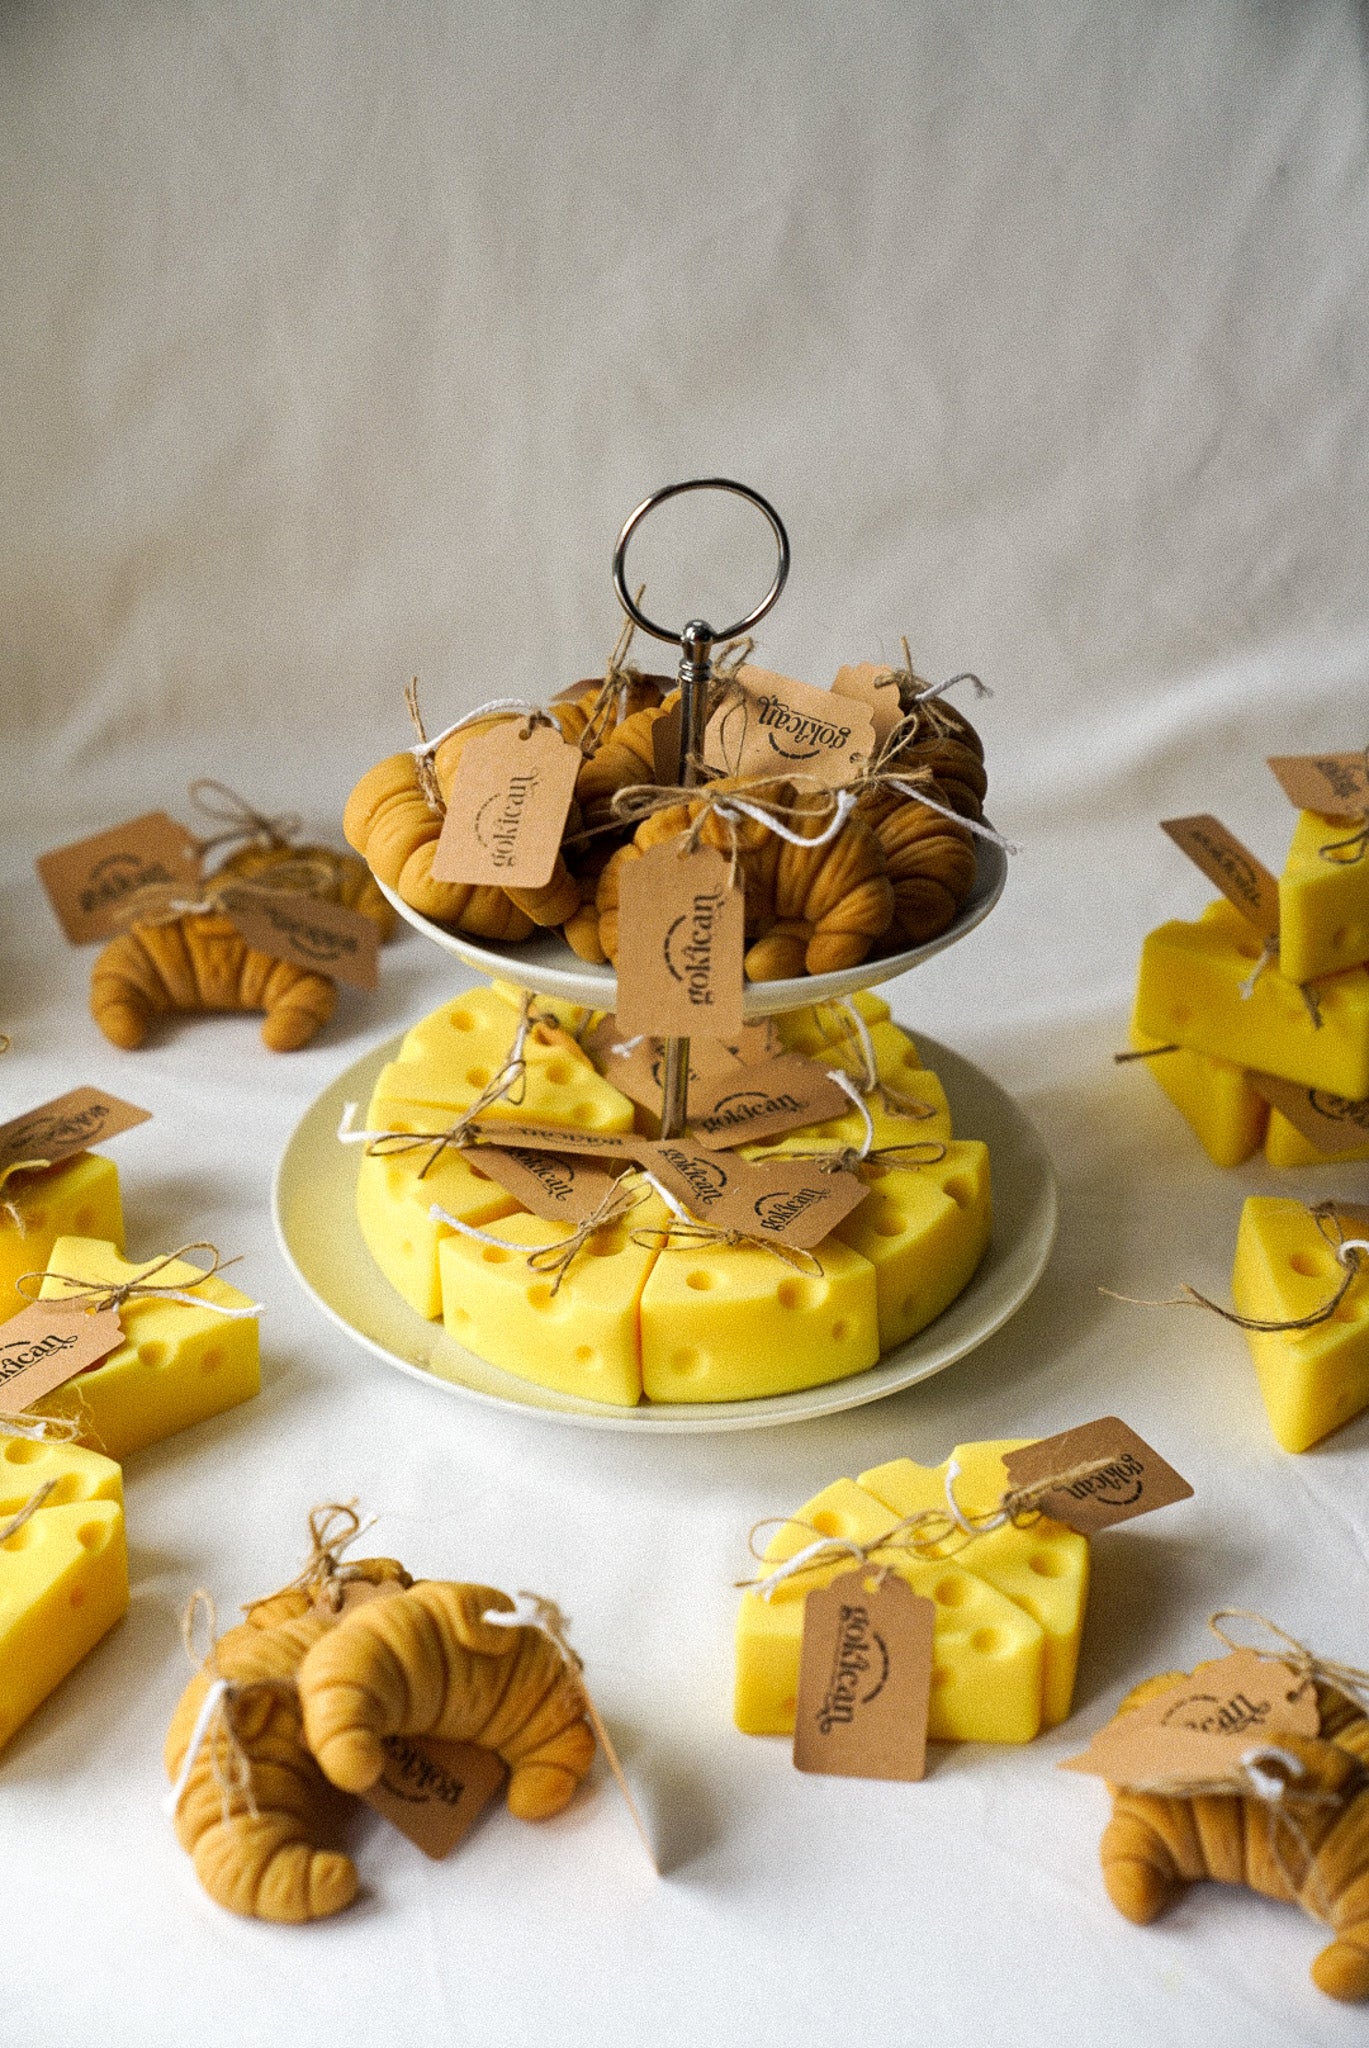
553,1138
507,807
67,1125
88,882
681,939
698,1179
433,1791
308,931
780,727
636,1067
1135,1481
44,1346
794,1202
1354,1219
1327,1121
552,1185
1200,1729
865,1679
764,1100
871,684
1337,785
1242,879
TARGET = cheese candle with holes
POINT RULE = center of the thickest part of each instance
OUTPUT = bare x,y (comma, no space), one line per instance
1323,903
395,1195
477,1029
1190,992
989,1655
1312,1380
78,1198
177,1365
579,1338
819,1026
924,1229
729,1323
1042,1569
1225,1113
63,1573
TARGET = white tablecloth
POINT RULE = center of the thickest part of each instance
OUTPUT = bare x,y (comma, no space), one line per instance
337,341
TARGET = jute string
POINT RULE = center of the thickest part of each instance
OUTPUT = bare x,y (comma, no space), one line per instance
547,1617
915,783
758,800
850,1158
333,1528
858,1045
99,1294
1349,1253
159,903
686,1232
215,1724
30,1507
1151,1052
239,819
608,707
557,1258
928,1532
1286,1648
423,752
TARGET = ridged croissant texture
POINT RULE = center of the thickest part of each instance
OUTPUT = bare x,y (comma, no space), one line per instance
202,962
1154,1847
269,1865
425,1663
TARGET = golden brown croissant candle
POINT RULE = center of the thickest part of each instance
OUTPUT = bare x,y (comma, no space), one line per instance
201,961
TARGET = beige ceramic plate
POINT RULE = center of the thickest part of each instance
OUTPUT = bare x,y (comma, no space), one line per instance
546,963
316,1224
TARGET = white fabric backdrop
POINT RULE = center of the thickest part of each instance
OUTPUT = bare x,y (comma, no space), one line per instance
336,342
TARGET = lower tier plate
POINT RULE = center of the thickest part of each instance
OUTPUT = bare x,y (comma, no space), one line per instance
316,1225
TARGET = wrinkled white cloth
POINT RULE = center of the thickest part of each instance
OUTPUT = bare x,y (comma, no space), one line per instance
337,342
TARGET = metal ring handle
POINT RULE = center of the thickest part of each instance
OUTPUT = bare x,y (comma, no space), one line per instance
700,483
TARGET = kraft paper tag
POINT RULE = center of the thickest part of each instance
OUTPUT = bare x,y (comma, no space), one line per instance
553,1138
1233,868
794,1202
67,1125
433,1791
761,1101
865,1679
637,1068
1329,1122
1201,1728
665,746
554,1186
1134,1482
780,726
1337,785
871,684
44,1346
308,931
507,808
88,882
1354,1219
681,938
698,1179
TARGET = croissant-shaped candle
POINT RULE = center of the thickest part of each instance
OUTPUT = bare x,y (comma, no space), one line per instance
257,1847
201,961
340,877
1311,1846
426,1662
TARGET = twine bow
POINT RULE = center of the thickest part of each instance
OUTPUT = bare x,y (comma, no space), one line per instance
545,1616
333,1528
1349,1253
851,1158
685,1231
101,1294
158,903
744,801
884,772
927,1532
30,1507
240,820
1305,1663
557,1258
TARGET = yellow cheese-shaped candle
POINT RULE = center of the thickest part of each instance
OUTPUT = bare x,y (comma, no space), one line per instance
477,1029
579,1338
1323,903
1312,1380
729,1323
63,1583
572,1017
396,1192
27,1465
924,1229
988,1654
1225,1113
820,1026
177,1365
1190,991
1043,1569
77,1198
561,1091
891,1127
1285,1145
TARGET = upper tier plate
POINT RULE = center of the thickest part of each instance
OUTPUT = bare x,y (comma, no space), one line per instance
545,962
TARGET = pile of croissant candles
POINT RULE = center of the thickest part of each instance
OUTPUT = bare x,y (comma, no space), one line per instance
706,1190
